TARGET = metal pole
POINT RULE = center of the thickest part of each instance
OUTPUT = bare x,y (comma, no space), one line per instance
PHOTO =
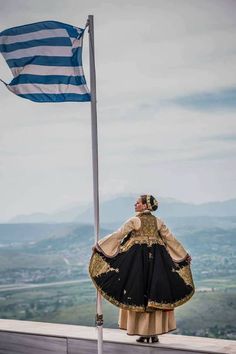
99,315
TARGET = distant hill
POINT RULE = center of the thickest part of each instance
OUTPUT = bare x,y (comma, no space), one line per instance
34,232
38,235
77,237
119,209
62,251
65,215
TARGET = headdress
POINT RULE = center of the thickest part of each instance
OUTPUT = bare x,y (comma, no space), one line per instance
152,203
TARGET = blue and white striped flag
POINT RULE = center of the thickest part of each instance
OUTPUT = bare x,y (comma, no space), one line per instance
46,61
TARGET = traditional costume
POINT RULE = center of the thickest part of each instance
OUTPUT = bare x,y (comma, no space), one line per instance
143,269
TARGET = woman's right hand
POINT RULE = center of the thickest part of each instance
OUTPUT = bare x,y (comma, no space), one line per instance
189,258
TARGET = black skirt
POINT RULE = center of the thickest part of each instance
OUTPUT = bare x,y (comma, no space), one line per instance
142,278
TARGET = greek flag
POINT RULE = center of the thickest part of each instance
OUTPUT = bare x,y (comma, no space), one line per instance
45,59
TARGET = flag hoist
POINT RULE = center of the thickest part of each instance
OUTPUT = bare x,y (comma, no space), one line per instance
45,59
99,315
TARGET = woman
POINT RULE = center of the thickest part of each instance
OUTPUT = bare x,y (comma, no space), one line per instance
145,271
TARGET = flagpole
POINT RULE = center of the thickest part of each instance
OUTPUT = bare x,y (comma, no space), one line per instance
99,315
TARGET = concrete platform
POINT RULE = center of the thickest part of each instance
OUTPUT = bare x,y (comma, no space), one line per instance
23,337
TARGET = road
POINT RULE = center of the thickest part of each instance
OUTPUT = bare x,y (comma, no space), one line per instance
11,287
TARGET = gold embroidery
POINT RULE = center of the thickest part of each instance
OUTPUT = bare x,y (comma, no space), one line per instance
99,266
170,306
185,273
149,202
148,225
147,234
139,241
117,303
152,305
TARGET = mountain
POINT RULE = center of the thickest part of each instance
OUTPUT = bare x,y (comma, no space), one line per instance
119,209
32,218
32,232
76,238
64,215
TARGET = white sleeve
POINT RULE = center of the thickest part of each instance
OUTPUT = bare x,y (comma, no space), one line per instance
175,248
110,243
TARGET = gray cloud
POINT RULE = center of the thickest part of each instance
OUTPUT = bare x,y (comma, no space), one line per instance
221,138
213,101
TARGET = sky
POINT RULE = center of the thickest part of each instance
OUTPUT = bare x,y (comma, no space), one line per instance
166,92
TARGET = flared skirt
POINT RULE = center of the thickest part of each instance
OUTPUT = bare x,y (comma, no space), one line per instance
143,278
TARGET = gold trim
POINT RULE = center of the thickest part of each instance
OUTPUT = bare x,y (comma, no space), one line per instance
152,305
148,197
140,241
106,296
148,234
117,303
170,306
99,266
185,274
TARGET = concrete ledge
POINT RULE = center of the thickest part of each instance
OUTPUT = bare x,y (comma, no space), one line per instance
23,337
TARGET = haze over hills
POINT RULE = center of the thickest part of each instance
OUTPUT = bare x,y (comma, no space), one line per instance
120,208
44,254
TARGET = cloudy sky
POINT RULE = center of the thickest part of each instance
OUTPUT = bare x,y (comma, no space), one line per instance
166,86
